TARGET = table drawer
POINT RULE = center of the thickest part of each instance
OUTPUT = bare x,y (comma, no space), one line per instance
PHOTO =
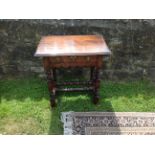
73,61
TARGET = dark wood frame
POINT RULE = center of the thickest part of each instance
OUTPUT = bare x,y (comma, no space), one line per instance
51,64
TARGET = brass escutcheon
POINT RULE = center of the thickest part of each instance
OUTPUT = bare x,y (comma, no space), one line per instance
72,57
57,59
88,58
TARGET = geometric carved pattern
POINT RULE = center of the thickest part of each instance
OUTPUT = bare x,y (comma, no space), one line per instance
120,131
81,123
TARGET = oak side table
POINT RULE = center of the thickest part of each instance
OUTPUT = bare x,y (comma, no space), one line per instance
68,51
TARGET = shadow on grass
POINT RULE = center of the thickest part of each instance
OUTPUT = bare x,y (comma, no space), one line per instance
20,89
77,102
36,90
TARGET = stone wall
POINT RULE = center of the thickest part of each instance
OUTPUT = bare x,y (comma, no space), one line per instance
132,43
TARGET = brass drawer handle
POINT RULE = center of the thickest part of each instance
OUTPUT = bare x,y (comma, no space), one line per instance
72,58
88,58
57,59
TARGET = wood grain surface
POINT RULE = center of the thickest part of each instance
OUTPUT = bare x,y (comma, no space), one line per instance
72,45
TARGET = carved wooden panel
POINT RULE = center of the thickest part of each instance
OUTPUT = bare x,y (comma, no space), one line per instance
72,61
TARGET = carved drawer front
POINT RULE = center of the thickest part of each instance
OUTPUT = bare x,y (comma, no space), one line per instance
73,61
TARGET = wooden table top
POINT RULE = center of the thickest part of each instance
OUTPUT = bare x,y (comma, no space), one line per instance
72,45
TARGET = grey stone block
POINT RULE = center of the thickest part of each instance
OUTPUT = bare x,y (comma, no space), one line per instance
131,41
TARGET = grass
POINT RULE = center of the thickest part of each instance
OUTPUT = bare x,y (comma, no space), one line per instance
24,104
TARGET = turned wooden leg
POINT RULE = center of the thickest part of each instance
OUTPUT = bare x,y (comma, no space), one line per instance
96,85
51,87
54,74
91,73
